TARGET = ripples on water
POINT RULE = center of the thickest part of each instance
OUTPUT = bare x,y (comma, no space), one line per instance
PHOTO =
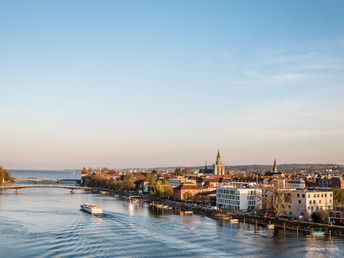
48,223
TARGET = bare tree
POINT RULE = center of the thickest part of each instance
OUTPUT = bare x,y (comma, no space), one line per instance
273,200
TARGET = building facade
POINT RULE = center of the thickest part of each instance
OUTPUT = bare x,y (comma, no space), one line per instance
235,198
304,203
186,191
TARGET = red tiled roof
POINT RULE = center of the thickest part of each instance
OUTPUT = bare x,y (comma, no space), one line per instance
186,185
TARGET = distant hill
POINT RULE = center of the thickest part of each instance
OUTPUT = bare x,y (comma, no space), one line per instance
264,168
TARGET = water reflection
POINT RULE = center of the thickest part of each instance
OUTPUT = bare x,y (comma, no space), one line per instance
48,223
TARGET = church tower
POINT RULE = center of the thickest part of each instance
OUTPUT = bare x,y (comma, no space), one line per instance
274,168
219,168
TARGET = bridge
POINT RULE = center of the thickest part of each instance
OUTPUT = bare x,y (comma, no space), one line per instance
57,180
71,188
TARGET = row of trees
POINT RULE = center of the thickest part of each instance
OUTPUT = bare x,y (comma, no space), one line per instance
127,182
132,182
5,176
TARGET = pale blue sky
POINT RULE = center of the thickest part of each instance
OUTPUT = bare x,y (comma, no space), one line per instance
165,83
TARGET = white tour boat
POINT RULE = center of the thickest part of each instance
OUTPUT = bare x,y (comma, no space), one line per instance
90,208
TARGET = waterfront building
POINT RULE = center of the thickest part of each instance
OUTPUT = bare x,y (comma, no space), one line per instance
186,191
305,202
239,197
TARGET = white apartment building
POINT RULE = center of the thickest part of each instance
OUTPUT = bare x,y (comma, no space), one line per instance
288,184
235,198
295,184
304,203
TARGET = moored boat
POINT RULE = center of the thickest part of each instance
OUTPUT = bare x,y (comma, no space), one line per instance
233,221
90,208
317,233
270,226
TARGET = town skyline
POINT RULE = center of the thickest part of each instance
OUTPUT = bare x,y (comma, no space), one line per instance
149,84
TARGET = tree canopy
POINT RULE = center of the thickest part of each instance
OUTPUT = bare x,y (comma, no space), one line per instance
157,191
5,176
320,216
274,201
338,196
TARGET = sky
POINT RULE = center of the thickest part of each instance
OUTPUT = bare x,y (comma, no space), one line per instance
167,83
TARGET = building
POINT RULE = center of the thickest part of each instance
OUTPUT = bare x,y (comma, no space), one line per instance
288,184
186,191
305,202
235,198
218,167
337,183
84,172
295,184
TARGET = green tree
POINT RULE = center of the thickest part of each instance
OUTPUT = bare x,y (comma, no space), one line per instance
320,216
152,182
157,192
338,196
5,176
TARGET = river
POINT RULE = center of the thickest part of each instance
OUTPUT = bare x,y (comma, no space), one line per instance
47,222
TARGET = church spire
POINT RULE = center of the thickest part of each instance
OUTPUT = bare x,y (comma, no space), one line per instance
218,158
274,168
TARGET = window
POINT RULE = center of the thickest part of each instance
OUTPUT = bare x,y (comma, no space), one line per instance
299,201
319,201
322,195
330,201
313,201
303,196
325,195
290,213
310,202
312,208
315,195
330,194
298,195
309,196
318,195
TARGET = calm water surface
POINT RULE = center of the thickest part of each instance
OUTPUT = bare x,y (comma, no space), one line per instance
48,222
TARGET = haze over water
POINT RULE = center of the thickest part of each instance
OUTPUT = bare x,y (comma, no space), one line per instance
48,223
